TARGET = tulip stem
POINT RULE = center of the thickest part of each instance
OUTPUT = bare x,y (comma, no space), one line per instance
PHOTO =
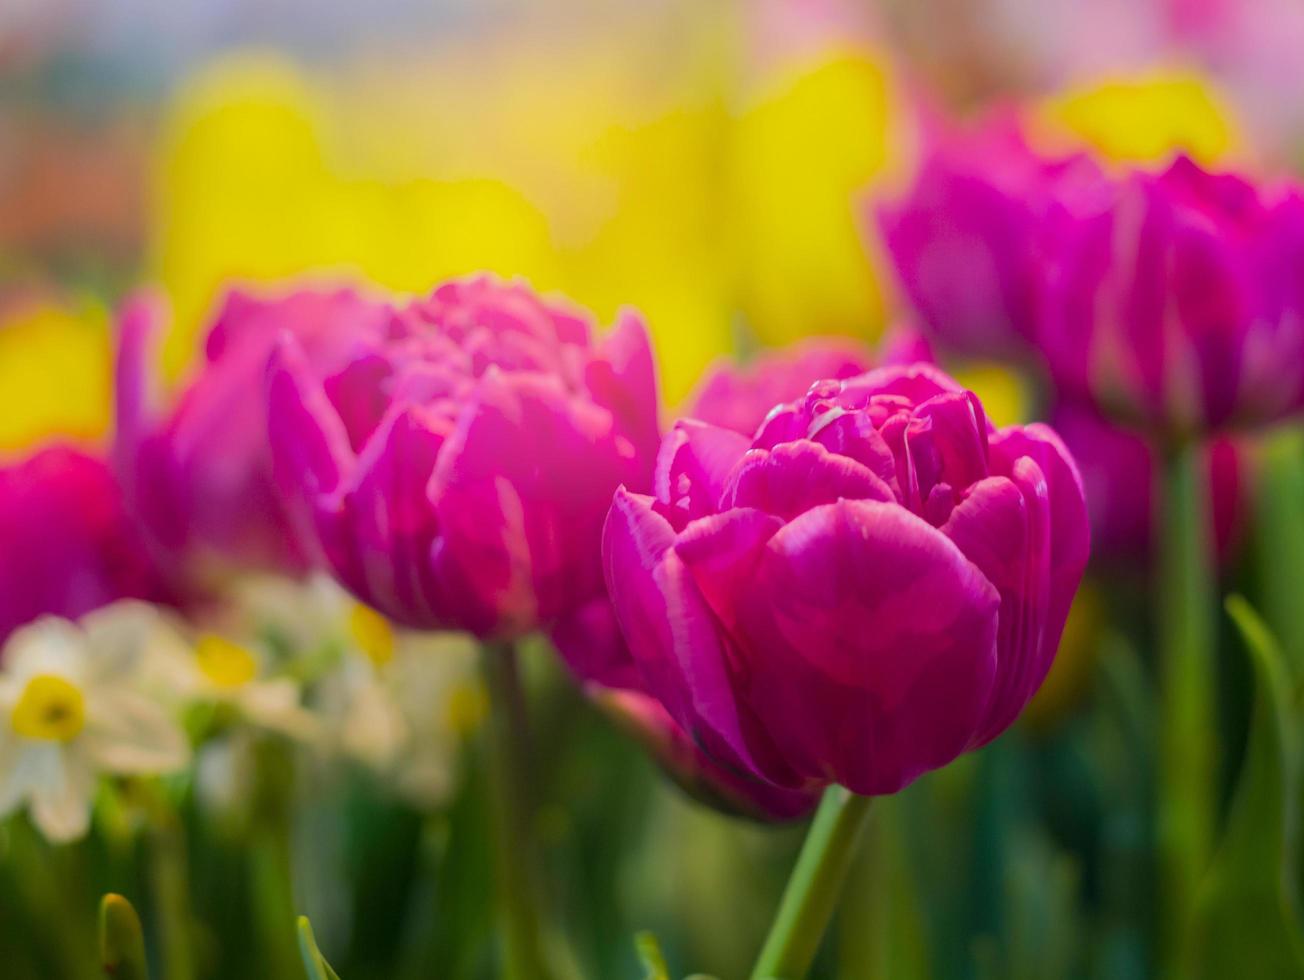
514,851
1187,606
812,893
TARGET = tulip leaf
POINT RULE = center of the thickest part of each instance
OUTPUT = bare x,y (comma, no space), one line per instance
122,944
1245,923
314,964
649,954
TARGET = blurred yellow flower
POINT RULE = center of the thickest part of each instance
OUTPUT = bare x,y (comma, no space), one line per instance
599,166
1001,389
1145,118
54,373
246,190
805,152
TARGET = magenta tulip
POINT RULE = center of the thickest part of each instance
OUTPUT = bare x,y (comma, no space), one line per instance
198,474
455,469
66,544
969,240
872,585
1177,302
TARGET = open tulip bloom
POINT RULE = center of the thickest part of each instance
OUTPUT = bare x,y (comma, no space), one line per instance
455,464
872,585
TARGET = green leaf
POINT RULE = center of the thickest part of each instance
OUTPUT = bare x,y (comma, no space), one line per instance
122,945
1245,922
649,954
314,964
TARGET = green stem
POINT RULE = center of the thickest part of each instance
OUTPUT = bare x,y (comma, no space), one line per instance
812,891
514,851
1187,761
1280,519
169,878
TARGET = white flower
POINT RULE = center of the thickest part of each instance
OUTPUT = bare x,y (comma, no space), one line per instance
229,672
71,708
399,702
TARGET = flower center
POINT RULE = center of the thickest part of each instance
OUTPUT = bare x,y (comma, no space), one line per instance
50,708
372,634
228,665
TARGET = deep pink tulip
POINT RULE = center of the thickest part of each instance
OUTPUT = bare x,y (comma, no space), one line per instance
66,544
872,585
1177,303
455,470
968,241
1119,469
198,472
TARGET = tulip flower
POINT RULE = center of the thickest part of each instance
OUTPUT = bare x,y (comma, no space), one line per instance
198,474
872,585
1173,301
456,469
969,240
67,546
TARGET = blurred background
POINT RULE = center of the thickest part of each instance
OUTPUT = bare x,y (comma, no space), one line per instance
708,162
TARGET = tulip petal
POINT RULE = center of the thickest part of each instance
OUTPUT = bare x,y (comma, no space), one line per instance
793,477
1002,526
386,522
622,378
1070,534
692,467
521,488
309,441
675,640
873,644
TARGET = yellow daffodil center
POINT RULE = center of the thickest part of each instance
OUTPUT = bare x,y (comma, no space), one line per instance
372,634
50,708
226,664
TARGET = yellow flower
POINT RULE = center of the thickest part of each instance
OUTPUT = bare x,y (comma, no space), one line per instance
248,189
55,369
805,153
1144,118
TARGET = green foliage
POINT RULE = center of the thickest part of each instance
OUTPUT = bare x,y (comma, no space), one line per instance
314,964
122,944
1246,923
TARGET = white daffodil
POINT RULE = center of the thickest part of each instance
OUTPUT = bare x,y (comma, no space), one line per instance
72,708
400,702
229,672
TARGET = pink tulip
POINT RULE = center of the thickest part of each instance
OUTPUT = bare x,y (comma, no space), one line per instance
198,472
455,468
66,544
873,584
970,238
1176,302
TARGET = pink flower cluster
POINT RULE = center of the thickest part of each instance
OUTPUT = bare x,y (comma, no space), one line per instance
838,572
